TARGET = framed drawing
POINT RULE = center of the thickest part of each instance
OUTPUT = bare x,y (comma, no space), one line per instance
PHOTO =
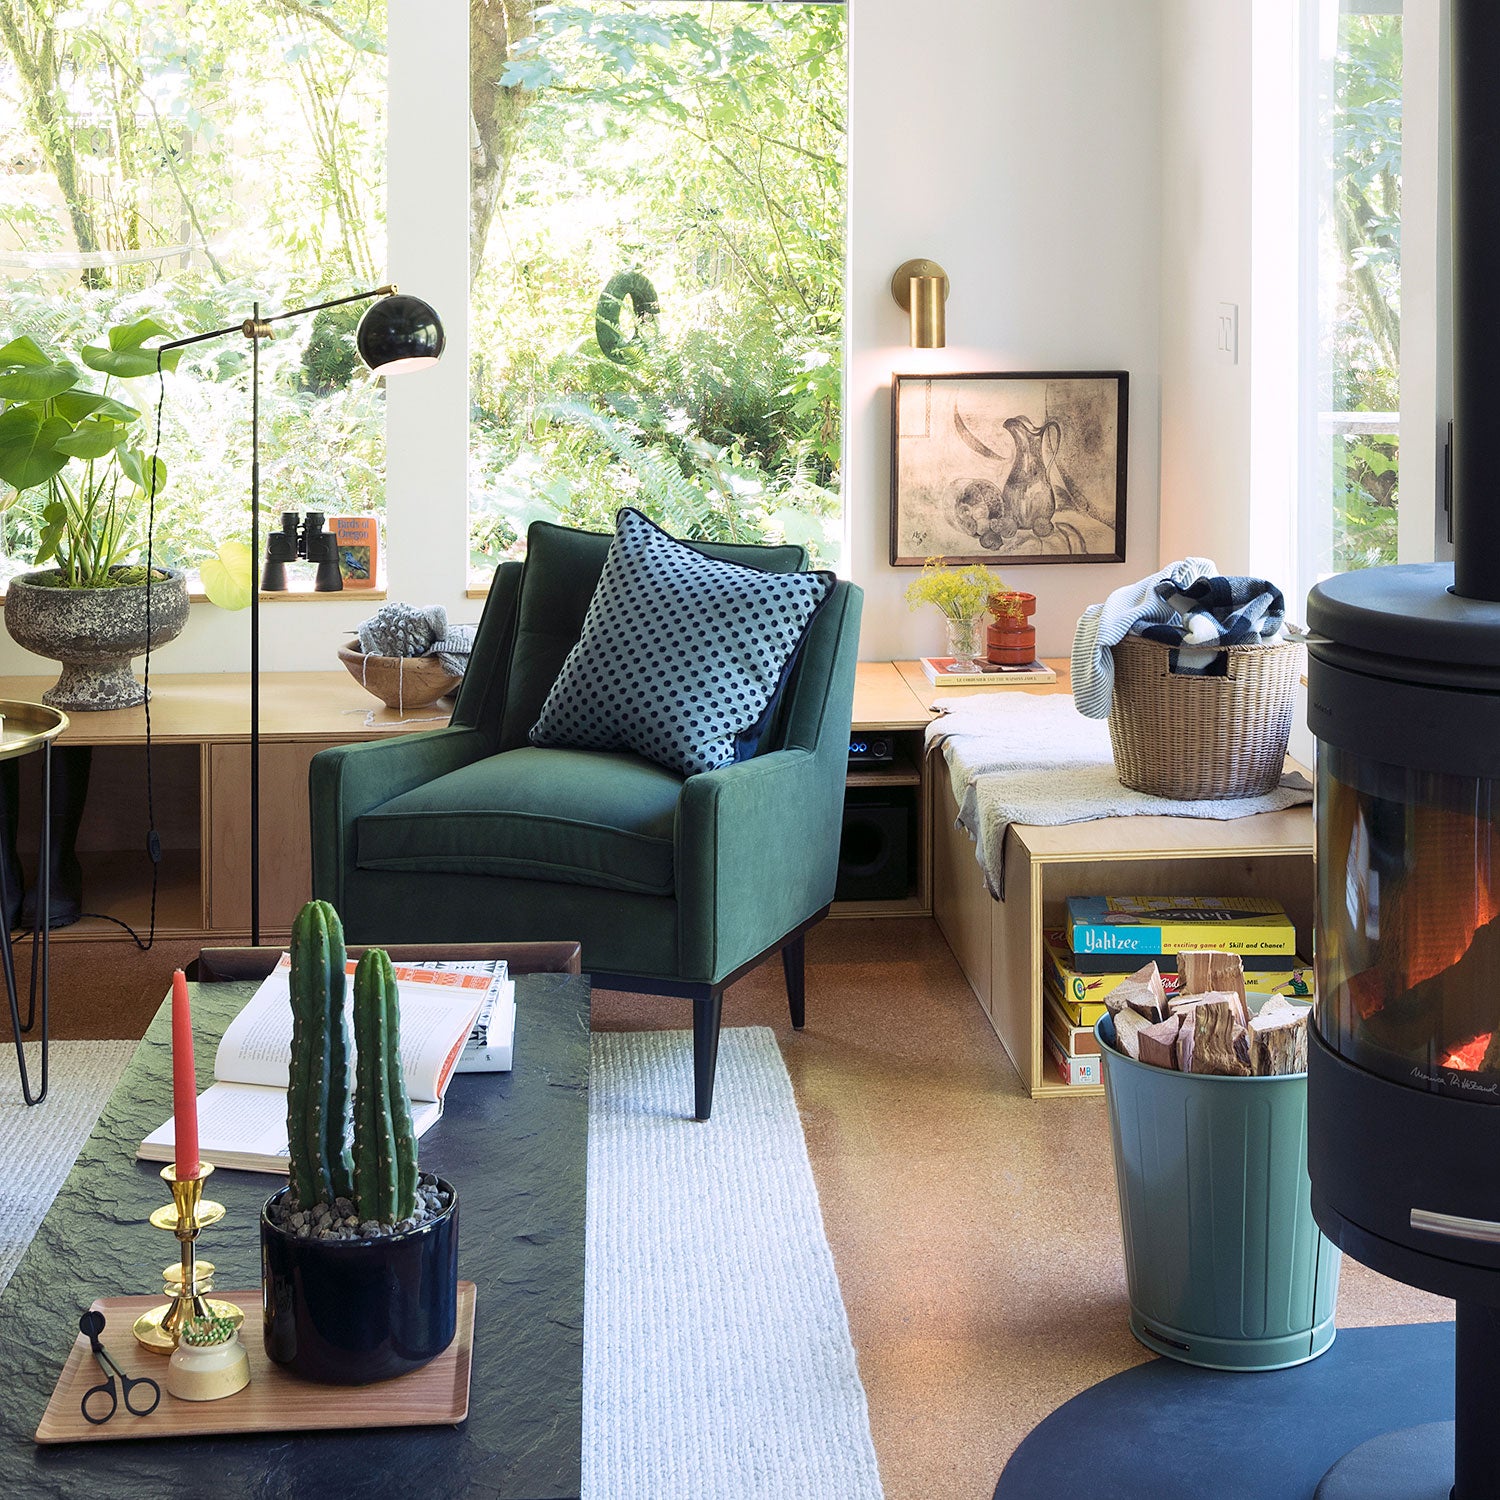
1001,468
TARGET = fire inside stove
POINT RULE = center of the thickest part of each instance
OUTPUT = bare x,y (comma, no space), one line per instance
1472,1057
1409,901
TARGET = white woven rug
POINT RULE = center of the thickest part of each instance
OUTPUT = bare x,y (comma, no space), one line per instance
717,1359
40,1144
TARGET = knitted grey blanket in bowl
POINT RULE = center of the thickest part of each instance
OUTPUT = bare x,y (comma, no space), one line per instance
1018,757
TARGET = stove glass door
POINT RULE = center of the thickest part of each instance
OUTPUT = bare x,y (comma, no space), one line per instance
1408,953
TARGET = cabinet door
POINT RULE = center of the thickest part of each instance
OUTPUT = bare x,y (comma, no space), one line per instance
285,838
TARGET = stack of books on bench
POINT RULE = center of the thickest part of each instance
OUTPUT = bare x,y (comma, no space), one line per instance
1107,938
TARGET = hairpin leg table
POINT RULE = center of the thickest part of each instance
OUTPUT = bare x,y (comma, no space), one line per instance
24,729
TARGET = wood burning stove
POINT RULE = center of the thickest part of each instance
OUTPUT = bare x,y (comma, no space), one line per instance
1404,697
1404,1064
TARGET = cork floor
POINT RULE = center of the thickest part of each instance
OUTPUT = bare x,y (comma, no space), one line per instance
974,1230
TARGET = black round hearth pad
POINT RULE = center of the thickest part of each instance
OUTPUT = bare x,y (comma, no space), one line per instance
1414,1463
1169,1431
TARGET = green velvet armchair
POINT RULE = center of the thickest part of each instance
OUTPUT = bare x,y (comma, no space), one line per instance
673,887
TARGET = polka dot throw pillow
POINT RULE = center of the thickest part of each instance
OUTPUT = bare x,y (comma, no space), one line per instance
681,655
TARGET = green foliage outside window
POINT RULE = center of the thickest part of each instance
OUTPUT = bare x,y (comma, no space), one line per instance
181,160
695,150
184,159
1365,236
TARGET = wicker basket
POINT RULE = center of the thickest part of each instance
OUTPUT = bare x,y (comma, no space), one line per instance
1189,737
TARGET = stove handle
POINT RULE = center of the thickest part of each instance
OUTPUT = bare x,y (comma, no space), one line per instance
1455,1226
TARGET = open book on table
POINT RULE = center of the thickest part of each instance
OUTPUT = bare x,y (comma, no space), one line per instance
242,1115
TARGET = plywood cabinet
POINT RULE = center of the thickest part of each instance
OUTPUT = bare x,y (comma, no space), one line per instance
885,705
998,944
200,772
285,849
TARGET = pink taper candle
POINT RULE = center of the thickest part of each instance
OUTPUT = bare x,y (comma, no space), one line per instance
184,1080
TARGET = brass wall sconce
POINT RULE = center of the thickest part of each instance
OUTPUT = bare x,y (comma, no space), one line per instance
920,288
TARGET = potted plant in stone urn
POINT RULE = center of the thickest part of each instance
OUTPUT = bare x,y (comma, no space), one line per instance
75,479
960,596
1010,640
359,1252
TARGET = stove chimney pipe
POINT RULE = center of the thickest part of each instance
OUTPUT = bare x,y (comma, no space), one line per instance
1476,299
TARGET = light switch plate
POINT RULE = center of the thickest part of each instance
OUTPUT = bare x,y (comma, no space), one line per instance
1228,347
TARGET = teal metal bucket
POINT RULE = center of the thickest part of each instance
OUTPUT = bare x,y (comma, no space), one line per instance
1224,1264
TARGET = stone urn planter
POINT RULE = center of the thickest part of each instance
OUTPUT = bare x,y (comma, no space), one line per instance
94,633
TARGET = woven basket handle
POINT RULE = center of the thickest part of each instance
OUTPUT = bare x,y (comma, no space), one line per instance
1231,671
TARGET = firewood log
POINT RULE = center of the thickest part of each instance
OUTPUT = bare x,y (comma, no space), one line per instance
1158,1042
1235,1003
1206,1042
1128,1027
1186,1031
1142,993
1214,1026
1279,1005
1278,1044
1207,971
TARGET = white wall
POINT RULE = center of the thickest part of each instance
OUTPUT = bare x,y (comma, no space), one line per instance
1017,145
1206,165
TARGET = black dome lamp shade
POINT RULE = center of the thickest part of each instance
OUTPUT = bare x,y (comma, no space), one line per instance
398,333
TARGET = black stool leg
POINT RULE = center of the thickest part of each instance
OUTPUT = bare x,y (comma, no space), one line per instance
41,952
70,791
12,882
707,1013
10,873
793,965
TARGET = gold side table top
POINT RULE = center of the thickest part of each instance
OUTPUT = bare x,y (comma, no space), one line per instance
27,726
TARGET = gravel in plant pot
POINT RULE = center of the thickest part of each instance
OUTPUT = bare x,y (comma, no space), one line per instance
359,1252
81,487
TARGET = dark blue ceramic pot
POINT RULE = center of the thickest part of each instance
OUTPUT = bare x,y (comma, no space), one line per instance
349,1312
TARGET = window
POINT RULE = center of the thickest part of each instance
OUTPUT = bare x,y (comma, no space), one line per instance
1351,387
657,264
183,159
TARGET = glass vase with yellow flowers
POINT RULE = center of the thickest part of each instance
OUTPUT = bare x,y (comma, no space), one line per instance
960,595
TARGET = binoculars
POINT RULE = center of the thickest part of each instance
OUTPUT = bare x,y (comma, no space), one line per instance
307,540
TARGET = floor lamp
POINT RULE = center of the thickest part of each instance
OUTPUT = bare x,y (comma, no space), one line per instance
397,333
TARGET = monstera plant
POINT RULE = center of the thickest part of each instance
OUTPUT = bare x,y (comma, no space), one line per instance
73,456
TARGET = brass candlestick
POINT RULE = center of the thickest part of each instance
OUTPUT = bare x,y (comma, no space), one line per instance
186,1284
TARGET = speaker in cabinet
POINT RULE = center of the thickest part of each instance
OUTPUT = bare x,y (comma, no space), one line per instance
874,852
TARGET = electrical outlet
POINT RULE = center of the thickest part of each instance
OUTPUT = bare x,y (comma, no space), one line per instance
1228,346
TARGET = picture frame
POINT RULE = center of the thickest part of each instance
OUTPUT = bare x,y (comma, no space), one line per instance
1009,467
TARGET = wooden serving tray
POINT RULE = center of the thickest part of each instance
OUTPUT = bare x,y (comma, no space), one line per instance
274,1401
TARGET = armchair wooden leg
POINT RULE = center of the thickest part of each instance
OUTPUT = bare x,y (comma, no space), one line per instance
706,1015
793,965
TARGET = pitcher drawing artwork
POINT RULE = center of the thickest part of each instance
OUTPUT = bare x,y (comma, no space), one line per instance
1008,468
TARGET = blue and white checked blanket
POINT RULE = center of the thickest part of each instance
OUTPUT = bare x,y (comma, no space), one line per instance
1187,606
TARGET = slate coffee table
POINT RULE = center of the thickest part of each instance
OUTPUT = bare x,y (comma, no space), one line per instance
515,1145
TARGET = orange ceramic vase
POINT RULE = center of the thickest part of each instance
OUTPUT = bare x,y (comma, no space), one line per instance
1009,640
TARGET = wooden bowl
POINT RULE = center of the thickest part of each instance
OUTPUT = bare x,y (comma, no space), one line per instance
400,682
